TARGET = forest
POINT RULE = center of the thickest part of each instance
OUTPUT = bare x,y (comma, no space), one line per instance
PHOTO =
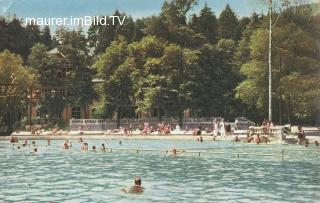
167,63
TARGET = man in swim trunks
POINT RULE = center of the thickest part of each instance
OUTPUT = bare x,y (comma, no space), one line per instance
136,189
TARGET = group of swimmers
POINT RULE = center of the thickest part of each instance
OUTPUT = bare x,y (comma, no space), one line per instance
257,139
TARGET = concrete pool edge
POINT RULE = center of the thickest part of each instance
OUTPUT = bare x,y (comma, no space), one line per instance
141,137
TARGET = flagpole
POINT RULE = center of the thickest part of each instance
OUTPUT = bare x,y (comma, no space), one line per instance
270,69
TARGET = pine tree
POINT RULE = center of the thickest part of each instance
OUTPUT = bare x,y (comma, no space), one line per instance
45,37
206,23
228,24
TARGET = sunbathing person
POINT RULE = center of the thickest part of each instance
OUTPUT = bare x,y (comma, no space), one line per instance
136,189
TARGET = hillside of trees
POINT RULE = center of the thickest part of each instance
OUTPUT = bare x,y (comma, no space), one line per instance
167,63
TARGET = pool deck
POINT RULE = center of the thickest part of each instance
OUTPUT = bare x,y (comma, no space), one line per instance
311,139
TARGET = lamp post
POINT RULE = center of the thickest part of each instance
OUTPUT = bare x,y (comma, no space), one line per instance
30,111
270,55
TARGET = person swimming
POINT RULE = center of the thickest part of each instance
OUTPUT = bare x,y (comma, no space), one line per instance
25,143
236,139
175,152
103,148
136,189
35,150
84,146
94,148
65,145
12,140
257,139
201,139
316,143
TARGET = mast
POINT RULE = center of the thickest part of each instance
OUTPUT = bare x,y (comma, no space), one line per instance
270,69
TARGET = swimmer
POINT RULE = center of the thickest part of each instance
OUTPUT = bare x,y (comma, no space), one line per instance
33,143
174,152
257,139
84,146
80,139
103,148
35,150
94,148
266,139
12,140
236,139
136,189
48,141
18,147
120,142
65,145
316,143
201,140
214,138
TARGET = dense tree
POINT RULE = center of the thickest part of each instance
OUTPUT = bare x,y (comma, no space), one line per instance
112,67
73,48
206,23
295,66
45,37
15,79
228,24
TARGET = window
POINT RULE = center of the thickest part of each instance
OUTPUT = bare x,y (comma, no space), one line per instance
76,112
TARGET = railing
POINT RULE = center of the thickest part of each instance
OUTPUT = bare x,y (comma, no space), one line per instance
107,124
277,131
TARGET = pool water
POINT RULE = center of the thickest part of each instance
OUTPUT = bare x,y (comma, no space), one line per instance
217,175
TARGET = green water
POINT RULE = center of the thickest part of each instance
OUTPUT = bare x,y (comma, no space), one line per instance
57,175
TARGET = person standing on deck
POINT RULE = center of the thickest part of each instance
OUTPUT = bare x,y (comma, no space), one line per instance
215,128
145,127
222,128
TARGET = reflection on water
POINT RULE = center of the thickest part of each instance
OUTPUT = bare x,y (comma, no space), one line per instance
57,175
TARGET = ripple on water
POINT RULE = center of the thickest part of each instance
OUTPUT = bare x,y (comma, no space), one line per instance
57,175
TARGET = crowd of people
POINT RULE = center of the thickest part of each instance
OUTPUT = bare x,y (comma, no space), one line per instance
164,128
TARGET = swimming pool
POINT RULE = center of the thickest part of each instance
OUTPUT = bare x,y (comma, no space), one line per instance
217,175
